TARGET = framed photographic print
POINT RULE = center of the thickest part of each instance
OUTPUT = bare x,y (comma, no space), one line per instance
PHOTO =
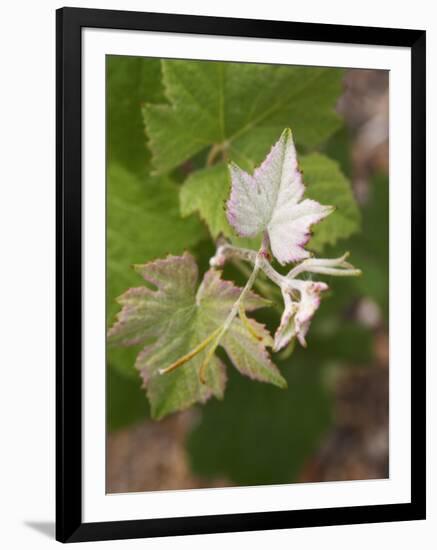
240,259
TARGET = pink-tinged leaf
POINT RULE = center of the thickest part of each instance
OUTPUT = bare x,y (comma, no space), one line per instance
271,200
173,316
297,315
308,305
286,330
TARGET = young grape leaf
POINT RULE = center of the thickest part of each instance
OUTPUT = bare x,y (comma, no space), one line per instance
297,315
205,191
271,200
172,316
239,108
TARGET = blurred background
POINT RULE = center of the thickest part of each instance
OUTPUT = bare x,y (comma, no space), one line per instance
332,422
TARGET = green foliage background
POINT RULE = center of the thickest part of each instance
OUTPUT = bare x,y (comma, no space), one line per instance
171,128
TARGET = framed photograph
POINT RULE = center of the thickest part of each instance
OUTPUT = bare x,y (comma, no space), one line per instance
240,275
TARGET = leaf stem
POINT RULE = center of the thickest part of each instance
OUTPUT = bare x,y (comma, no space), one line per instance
245,320
228,250
215,151
337,266
234,310
185,358
270,292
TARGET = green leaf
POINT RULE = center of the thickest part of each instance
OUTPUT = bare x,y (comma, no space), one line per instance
240,107
143,222
258,435
174,318
131,81
206,192
327,184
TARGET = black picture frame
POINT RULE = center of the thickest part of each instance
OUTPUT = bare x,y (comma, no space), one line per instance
69,25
